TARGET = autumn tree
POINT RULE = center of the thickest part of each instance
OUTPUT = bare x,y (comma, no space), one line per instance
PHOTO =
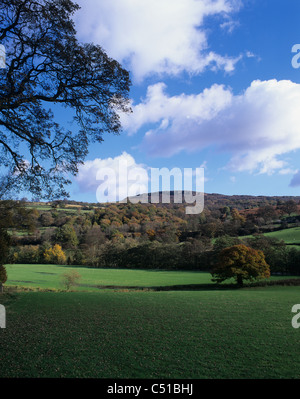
224,241
5,240
47,69
46,219
241,263
55,255
91,246
289,207
267,212
4,245
237,217
12,214
67,236
3,277
225,211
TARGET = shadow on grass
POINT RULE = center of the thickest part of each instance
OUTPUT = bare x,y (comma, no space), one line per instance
199,287
186,287
48,273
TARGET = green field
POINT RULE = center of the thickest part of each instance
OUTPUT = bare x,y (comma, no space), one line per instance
46,208
289,236
49,277
204,334
119,333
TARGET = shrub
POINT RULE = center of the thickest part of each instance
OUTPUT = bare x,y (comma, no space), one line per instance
70,279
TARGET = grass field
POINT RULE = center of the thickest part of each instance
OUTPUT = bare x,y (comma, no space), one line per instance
289,236
68,208
204,334
49,277
110,333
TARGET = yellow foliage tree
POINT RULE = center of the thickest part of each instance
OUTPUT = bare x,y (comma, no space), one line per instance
55,255
237,216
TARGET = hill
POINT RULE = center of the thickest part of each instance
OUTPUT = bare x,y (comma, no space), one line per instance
215,200
149,235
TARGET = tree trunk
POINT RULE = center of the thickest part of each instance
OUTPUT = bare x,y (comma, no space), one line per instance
240,281
1,288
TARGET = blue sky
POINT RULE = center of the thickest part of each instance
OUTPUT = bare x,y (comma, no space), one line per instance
213,87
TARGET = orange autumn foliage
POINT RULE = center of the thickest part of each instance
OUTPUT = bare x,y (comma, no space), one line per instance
242,263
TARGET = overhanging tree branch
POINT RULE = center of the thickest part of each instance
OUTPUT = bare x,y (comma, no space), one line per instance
46,67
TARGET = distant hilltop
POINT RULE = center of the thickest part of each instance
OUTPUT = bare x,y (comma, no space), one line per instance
211,200
215,199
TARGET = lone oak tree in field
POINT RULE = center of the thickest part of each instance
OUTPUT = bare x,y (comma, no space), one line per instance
242,263
48,69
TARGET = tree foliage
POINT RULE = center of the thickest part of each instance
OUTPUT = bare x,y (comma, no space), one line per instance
55,255
289,207
242,263
49,70
67,236
3,277
148,235
12,214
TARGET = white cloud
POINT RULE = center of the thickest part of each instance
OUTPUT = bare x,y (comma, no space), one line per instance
156,36
288,171
158,107
229,25
113,179
255,127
